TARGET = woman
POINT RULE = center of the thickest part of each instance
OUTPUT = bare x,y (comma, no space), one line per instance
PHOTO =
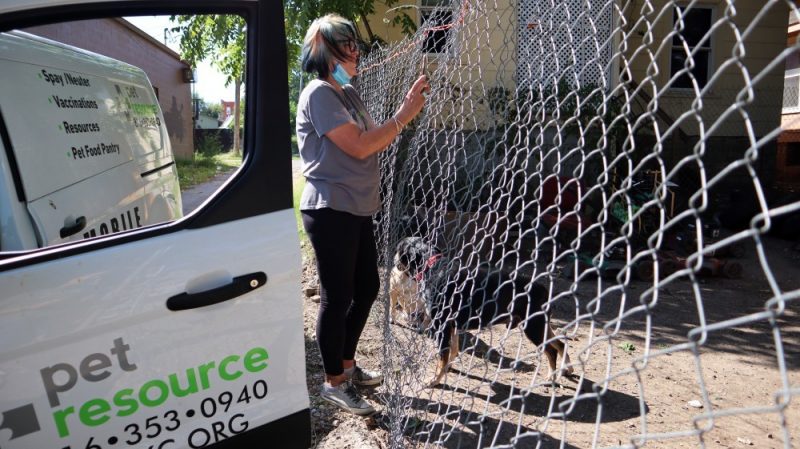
339,145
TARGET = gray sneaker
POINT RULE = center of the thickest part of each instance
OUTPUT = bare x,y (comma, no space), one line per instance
347,397
366,378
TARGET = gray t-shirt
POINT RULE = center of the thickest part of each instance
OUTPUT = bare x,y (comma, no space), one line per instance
334,179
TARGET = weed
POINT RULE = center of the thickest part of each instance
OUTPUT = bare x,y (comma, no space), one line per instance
202,168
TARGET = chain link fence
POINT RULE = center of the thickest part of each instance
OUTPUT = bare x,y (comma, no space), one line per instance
609,164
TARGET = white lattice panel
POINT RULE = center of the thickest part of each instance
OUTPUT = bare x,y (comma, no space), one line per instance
566,40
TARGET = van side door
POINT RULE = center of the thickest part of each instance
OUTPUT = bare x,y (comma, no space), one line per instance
176,335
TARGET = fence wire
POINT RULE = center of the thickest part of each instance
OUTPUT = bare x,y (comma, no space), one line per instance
619,156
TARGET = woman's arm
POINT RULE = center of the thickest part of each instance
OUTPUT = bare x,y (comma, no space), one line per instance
362,144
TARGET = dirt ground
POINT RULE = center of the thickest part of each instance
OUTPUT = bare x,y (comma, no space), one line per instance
646,375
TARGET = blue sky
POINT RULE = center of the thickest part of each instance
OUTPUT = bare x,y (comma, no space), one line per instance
210,83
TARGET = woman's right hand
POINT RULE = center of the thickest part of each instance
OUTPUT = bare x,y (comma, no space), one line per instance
414,100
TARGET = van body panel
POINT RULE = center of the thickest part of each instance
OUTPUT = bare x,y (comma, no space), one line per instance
100,207
83,129
132,203
162,193
16,229
164,380
90,354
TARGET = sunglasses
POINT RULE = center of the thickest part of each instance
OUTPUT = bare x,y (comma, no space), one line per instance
350,44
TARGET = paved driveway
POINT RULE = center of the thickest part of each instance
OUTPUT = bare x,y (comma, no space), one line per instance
194,196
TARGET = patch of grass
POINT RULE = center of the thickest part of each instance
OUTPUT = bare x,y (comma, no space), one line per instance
298,183
628,347
202,168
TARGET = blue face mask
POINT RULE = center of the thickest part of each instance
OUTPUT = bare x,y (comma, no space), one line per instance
340,75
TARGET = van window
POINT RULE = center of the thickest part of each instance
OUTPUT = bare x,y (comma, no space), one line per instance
92,147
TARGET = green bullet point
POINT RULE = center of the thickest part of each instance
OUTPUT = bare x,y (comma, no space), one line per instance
50,100
59,127
40,75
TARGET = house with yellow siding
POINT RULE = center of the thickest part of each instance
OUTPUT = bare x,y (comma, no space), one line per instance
788,158
735,48
730,91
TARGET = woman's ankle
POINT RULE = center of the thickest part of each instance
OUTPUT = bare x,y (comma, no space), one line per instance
336,380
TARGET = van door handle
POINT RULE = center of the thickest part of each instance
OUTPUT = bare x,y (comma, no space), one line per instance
238,286
67,231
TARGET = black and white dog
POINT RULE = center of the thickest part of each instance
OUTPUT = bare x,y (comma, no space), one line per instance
446,300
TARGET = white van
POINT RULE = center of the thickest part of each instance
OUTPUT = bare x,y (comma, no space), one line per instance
174,335
85,151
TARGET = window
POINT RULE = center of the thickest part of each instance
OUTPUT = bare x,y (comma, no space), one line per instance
791,94
432,15
113,130
793,154
88,151
688,45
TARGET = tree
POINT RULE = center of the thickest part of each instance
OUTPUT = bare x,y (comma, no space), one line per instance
241,113
222,39
211,109
214,110
300,13
204,107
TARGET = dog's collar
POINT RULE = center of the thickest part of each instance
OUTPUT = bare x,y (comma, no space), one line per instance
430,263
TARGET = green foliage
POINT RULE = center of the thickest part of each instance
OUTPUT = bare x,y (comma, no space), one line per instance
300,13
208,145
298,17
402,19
581,108
218,37
406,23
585,111
202,168
628,347
209,109
298,183
212,110
222,38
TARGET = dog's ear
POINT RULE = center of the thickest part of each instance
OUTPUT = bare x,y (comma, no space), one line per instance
401,262
396,261
401,257
412,254
418,253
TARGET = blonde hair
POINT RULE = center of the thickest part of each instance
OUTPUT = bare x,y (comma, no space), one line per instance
323,44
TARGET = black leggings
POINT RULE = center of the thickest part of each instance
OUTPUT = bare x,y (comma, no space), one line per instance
347,264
